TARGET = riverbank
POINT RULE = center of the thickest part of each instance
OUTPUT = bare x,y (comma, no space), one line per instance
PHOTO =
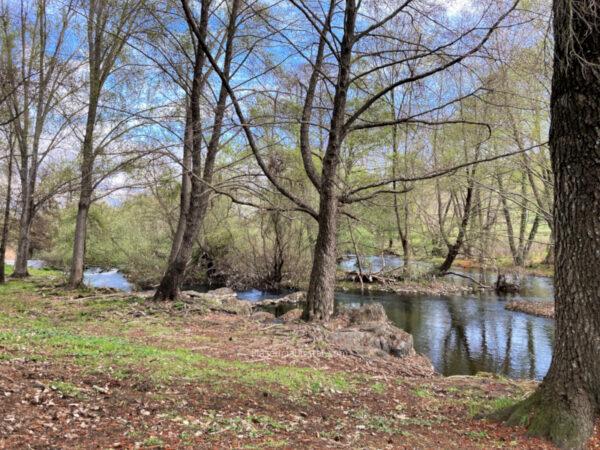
533,269
534,308
425,286
120,371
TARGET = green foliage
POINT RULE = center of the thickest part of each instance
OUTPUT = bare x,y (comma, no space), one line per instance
133,237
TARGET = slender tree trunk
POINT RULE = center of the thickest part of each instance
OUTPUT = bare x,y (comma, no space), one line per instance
530,239
26,218
6,218
402,231
453,249
85,197
510,233
186,182
567,403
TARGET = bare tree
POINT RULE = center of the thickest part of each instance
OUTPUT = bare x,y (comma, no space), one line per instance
342,47
194,205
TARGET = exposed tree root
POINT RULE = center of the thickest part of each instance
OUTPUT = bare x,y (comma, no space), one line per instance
549,417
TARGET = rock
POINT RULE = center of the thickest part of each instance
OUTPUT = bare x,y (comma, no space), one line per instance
223,299
263,316
374,339
232,305
292,315
222,292
291,299
370,333
367,313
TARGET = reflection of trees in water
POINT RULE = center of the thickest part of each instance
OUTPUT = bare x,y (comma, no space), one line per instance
452,360
461,354
531,349
467,335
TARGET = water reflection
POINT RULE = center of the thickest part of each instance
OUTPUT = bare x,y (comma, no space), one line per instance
466,335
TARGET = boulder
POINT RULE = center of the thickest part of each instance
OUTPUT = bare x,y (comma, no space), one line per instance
223,299
294,298
263,316
373,339
367,313
369,333
222,292
292,315
232,305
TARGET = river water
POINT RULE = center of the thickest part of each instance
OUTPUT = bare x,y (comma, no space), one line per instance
461,334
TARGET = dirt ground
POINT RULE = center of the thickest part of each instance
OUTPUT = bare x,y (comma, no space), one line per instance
95,370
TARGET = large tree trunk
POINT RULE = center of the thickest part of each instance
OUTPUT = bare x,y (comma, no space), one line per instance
321,289
567,402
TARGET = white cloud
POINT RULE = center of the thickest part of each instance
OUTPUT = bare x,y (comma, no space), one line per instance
454,7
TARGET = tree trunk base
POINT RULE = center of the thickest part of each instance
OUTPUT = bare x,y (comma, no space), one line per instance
548,417
75,285
167,290
20,274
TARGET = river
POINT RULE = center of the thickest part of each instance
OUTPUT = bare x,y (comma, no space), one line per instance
468,333
461,334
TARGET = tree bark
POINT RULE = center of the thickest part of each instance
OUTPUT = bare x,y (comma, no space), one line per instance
567,402
6,218
453,249
201,179
321,288
85,194
186,186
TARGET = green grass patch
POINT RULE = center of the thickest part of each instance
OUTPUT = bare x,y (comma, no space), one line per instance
67,389
161,365
422,393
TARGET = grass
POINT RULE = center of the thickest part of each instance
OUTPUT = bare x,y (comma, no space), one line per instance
67,389
422,393
481,406
160,365
54,329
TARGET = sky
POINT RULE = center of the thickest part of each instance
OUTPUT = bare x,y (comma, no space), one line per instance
456,6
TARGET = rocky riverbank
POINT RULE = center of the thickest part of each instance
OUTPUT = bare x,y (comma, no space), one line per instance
535,308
